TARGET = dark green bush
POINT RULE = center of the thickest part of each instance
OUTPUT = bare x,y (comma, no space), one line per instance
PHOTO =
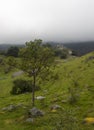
22,86
12,51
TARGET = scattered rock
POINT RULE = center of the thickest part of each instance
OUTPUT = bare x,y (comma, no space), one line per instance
29,120
54,107
35,112
4,109
40,98
16,74
12,107
9,108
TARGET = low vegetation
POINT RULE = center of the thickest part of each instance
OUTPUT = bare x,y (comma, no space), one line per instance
65,102
21,86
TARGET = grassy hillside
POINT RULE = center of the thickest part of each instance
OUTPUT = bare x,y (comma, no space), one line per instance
76,80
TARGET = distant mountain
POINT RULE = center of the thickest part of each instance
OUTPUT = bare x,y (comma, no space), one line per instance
81,47
4,47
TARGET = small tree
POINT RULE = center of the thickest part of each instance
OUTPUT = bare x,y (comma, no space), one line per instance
35,58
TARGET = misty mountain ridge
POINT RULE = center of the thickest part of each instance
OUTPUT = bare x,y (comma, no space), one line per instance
80,48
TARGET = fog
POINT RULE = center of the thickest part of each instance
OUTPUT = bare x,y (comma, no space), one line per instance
49,20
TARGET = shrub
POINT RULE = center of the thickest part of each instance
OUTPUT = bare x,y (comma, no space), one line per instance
13,51
64,55
22,86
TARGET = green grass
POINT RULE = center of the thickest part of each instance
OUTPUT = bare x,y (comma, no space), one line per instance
68,70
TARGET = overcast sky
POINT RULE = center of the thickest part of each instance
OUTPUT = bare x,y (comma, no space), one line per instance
49,20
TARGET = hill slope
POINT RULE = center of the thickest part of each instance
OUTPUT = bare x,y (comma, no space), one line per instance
76,81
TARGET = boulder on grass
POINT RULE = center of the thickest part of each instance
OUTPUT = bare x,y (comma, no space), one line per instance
34,112
29,120
40,98
9,108
55,107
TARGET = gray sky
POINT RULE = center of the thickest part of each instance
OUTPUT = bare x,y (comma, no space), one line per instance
50,20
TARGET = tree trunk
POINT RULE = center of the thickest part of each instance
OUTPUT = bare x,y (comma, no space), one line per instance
33,90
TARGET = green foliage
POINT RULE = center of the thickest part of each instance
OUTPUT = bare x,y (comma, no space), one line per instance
35,58
74,53
22,86
2,52
54,93
9,64
13,51
11,61
62,53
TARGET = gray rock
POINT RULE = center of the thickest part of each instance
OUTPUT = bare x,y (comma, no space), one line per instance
12,107
16,74
9,108
4,109
54,107
29,120
40,98
35,112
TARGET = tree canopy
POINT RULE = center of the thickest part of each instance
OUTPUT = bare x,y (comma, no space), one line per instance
35,58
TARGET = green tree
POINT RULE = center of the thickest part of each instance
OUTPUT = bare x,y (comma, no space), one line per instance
35,58
13,51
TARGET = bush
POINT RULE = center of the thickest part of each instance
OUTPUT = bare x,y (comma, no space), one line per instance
64,55
22,86
12,51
